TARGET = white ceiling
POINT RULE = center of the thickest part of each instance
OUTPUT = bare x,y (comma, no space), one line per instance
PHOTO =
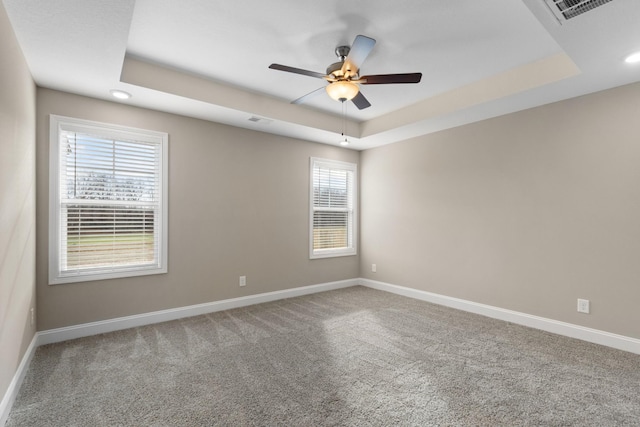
207,59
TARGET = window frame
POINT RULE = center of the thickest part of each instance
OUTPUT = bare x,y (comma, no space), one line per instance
58,124
352,234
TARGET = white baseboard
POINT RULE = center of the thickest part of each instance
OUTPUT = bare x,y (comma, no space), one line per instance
596,336
111,325
16,382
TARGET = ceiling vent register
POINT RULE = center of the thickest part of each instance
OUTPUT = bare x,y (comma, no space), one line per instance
259,120
568,9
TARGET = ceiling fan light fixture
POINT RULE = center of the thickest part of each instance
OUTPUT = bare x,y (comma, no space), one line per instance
342,90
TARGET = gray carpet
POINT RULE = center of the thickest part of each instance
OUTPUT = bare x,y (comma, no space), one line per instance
353,357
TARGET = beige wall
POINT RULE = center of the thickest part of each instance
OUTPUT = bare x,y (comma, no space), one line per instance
527,212
238,205
17,203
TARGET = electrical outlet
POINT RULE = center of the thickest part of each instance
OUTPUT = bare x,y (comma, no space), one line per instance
374,268
243,281
583,306
33,316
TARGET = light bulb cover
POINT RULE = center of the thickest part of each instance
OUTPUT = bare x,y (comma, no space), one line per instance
120,94
342,90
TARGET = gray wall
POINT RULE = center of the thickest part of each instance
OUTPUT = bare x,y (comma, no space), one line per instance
238,205
527,212
17,203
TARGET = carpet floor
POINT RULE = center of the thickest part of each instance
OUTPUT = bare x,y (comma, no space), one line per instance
351,357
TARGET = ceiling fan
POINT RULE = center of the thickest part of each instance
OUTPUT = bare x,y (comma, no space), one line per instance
343,76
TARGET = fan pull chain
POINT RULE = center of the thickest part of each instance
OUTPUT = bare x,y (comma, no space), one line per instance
344,140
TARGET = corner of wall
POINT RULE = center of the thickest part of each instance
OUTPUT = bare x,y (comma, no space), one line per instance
17,213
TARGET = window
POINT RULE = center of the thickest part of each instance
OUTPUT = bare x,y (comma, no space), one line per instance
333,208
108,201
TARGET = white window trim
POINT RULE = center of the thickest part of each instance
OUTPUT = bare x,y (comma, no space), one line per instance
329,253
58,123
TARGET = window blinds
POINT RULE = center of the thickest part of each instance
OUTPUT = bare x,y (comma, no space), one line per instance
333,189
110,204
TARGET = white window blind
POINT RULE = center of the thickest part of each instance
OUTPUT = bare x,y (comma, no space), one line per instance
333,208
108,203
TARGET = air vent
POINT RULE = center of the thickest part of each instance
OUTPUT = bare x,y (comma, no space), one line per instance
567,9
260,120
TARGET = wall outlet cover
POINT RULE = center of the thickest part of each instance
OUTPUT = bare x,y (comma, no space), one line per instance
583,306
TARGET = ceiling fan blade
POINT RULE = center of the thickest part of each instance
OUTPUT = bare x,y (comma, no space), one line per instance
296,71
361,102
360,49
381,79
310,95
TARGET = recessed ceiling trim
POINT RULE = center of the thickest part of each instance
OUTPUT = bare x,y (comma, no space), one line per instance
156,77
539,73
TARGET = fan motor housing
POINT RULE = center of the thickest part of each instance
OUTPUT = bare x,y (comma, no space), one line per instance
335,69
